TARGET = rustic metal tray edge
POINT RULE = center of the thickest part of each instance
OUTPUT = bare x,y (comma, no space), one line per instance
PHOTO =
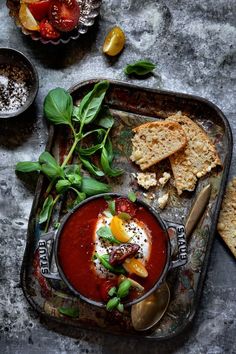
27,252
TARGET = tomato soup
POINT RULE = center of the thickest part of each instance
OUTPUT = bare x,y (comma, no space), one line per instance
79,243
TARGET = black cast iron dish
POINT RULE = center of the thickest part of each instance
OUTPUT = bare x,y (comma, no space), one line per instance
165,225
14,57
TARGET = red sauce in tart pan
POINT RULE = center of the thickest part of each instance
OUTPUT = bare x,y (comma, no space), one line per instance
75,250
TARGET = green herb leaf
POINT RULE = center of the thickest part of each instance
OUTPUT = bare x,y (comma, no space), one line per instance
141,67
104,259
62,186
120,307
80,197
72,170
58,106
112,303
109,171
90,150
107,213
112,207
56,225
93,169
49,165
124,216
132,196
105,233
68,311
72,173
27,166
46,209
123,289
75,114
100,133
91,103
106,121
109,150
92,187
112,291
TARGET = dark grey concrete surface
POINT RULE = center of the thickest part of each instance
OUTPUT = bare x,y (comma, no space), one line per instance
193,44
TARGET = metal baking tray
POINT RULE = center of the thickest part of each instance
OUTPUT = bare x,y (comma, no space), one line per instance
132,105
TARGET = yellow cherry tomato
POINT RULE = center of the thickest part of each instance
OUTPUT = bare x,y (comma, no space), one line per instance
118,229
114,42
26,18
133,265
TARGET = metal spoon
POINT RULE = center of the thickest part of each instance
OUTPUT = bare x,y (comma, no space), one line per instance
148,312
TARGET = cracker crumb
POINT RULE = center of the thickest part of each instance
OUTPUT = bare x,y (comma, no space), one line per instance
164,179
162,201
147,179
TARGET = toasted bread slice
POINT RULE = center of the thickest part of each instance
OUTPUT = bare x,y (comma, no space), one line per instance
197,158
227,220
155,141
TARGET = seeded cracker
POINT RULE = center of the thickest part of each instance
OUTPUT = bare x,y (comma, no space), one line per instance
197,158
227,220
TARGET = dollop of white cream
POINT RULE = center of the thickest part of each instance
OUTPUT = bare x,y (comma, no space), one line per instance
138,233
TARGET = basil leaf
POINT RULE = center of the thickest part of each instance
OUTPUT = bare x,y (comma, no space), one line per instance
80,197
75,114
112,291
49,165
58,106
141,67
27,166
93,169
91,187
105,233
72,170
112,207
120,307
62,186
92,149
109,150
75,180
91,103
46,209
105,118
132,196
112,303
72,173
104,259
123,289
107,213
109,171
70,312
124,216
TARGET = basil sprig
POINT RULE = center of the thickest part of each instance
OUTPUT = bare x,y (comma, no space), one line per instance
59,109
141,67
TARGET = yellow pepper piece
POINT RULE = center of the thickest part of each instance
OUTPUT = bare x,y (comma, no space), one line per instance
26,18
114,42
133,265
118,230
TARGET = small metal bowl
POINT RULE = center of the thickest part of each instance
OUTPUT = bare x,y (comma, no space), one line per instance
11,58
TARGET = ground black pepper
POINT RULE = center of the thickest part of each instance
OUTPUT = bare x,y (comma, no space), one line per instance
13,87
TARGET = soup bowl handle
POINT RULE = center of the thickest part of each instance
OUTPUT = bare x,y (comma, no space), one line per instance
182,257
44,256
